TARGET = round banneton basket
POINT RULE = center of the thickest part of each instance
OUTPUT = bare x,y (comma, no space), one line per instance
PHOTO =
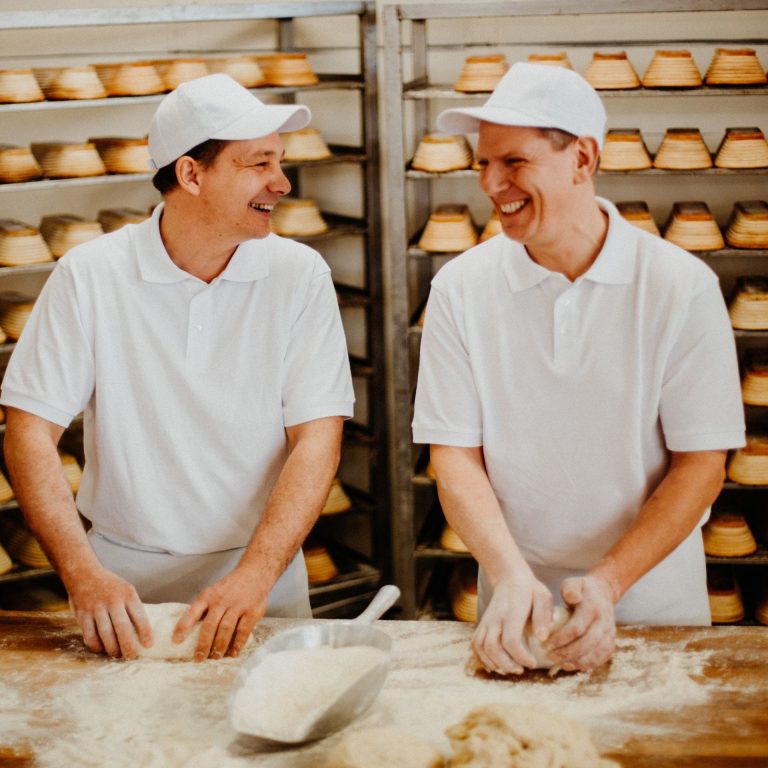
481,74
15,309
61,83
174,72
735,66
6,564
114,218
749,307
559,59
21,244
492,227
20,544
123,155
748,225
624,150
682,149
462,591
63,231
692,226
243,69
6,492
286,69
449,230
130,78
440,152
306,144
18,164
725,603
749,465
607,71
727,534
742,148
672,69
320,566
62,160
19,86
636,212
451,540
297,217
337,500
754,385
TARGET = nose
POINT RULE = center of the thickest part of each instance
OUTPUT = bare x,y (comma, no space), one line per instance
280,184
492,179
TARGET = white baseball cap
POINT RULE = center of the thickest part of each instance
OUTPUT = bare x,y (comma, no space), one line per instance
535,96
215,107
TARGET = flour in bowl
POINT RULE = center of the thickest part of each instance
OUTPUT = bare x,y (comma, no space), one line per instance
285,694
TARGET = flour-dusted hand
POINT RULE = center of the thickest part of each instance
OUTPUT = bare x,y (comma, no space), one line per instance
109,613
589,638
498,641
229,610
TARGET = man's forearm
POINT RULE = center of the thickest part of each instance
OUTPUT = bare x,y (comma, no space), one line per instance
296,499
44,494
691,484
472,509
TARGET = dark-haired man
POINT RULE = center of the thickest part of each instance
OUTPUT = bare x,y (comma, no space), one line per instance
208,357
578,386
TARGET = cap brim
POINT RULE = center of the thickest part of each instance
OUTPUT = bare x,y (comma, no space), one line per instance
468,119
264,120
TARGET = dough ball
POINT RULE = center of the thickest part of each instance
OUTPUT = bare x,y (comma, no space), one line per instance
560,619
163,618
513,736
383,748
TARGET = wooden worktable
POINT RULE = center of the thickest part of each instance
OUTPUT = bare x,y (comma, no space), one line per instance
670,697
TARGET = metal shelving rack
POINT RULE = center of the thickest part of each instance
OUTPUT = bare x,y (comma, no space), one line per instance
360,573
417,555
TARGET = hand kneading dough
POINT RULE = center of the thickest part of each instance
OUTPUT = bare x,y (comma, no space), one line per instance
163,618
384,748
560,619
513,736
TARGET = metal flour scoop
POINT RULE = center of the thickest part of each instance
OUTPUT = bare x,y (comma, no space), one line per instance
265,710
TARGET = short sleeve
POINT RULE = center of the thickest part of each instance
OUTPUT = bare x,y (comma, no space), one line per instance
317,382
447,409
51,372
701,407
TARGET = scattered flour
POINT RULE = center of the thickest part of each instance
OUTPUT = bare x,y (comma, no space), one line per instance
172,714
286,693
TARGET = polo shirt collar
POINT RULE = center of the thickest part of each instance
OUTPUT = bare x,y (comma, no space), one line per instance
615,264
249,262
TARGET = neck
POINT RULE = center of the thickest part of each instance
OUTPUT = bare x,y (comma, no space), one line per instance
576,245
192,245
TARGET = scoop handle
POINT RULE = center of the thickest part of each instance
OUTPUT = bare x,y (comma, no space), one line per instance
385,598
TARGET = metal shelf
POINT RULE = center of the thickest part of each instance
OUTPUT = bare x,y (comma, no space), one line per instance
22,573
465,173
355,583
421,91
87,181
327,83
409,88
759,558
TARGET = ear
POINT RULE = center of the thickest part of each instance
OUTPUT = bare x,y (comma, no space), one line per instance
587,159
188,174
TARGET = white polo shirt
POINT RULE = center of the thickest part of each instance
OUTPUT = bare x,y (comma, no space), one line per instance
576,391
186,387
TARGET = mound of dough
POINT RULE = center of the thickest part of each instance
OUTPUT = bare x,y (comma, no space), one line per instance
560,619
383,748
511,736
163,618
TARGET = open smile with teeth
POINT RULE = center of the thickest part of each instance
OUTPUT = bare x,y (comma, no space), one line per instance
262,207
513,207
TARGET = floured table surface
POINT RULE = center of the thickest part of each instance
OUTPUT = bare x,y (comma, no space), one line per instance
670,697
